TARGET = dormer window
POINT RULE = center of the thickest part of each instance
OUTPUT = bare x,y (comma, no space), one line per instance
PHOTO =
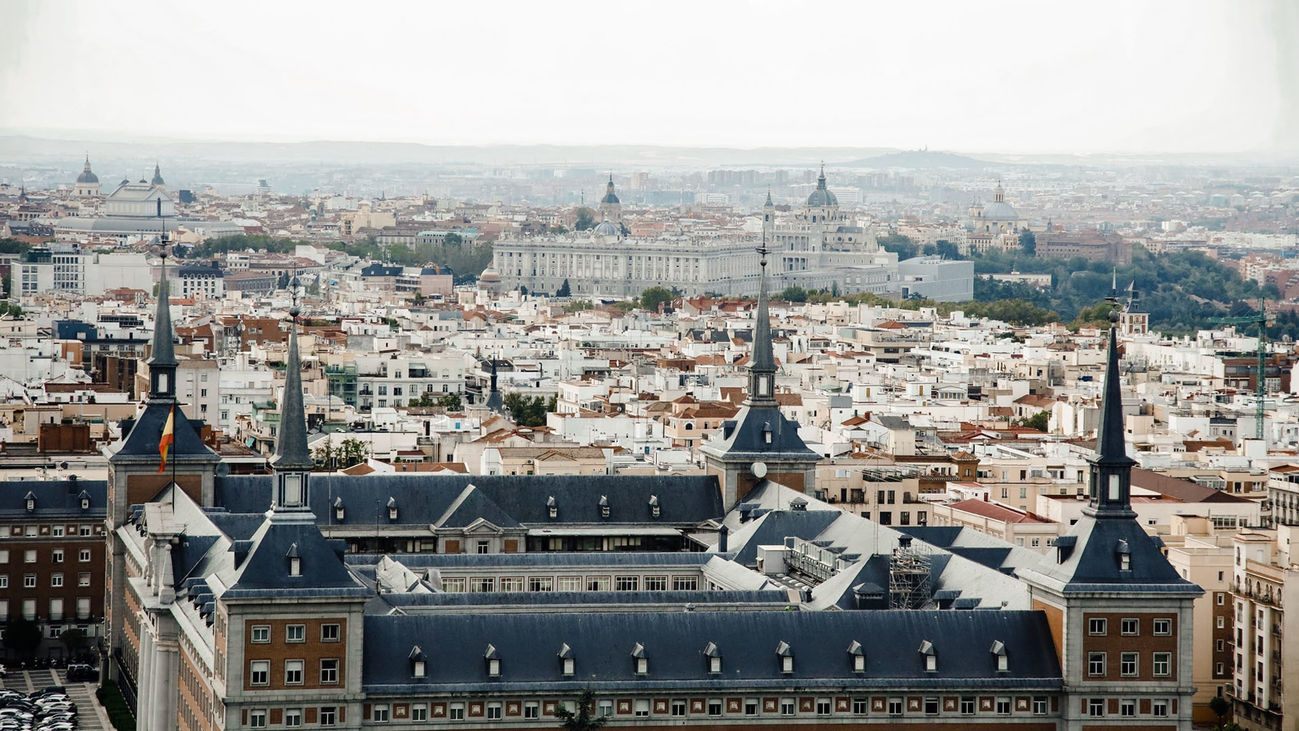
85,503
392,508
604,506
566,660
654,506
999,651
786,655
931,658
766,432
1124,554
858,656
338,509
639,659
714,656
29,500
417,663
295,560
552,507
493,662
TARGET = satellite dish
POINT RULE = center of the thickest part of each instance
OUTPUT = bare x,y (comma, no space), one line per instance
759,470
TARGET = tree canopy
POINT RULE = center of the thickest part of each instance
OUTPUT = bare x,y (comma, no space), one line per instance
653,297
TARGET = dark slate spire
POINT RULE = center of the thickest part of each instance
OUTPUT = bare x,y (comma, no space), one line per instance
762,369
291,453
162,358
768,204
1111,467
494,400
157,175
820,181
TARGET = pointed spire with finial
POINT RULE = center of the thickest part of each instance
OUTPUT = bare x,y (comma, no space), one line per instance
1111,467
291,452
768,204
162,357
820,181
762,369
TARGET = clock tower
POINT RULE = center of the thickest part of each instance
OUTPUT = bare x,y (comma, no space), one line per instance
760,443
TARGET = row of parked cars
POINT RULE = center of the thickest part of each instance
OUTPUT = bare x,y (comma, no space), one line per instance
45,710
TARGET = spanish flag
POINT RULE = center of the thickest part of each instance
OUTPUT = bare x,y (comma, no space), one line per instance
164,442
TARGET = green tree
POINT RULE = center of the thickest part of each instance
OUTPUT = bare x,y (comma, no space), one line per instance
74,641
352,452
577,306
581,719
1027,242
11,309
22,637
585,219
1040,421
652,298
947,249
13,246
528,410
794,294
1220,707
899,244
450,401
564,290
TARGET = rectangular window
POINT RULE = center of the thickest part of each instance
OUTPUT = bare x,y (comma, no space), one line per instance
895,706
931,706
261,633
57,555
84,555
685,583
56,580
83,579
1003,706
379,713
967,706
329,633
259,672
1130,625
604,708
626,583
293,717
1163,626
293,672
454,585
541,583
295,633
1096,626
532,710
29,556
1128,707
328,716
1039,705
678,708
257,719
1159,708
1096,664
568,583
329,671
715,706
1096,707
750,707
656,583
493,711
4,582
787,706
482,584
512,583
456,712
1128,664
1162,665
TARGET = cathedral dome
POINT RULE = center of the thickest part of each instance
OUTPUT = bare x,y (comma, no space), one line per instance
605,228
822,195
609,195
86,176
1000,211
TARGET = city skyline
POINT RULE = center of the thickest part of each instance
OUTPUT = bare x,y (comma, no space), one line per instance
1012,78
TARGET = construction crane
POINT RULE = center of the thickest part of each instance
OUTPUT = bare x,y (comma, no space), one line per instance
1260,368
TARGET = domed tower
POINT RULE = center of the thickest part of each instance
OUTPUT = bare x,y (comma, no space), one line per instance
610,206
87,183
157,181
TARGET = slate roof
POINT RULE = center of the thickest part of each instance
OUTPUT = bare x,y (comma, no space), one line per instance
141,444
54,498
426,498
411,602
1091,560
673,642
264,571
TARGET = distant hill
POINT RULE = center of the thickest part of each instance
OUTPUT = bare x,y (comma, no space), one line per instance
920,159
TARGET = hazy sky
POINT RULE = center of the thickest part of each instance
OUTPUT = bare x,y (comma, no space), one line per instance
1031,76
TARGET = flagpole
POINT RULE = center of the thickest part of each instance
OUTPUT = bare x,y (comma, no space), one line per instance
174,486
